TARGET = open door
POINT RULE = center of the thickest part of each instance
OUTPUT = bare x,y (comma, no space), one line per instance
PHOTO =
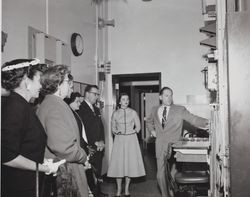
137,86
148,100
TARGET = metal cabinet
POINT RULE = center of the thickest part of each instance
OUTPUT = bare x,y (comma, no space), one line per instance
238,23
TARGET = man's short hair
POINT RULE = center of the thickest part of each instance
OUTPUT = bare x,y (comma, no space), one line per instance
165,88
89,87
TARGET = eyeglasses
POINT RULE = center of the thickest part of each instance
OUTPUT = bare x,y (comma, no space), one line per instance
96,94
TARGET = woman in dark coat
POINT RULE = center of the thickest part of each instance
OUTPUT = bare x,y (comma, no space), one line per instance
23,138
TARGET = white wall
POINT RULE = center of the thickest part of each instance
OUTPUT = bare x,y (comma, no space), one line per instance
16,17
159,36
64,18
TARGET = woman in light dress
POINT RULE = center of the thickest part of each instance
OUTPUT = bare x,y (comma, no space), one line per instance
126,159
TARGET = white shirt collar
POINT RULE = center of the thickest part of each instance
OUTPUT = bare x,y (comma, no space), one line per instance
168,106
160,110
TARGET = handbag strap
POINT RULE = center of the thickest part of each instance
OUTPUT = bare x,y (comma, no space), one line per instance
37,180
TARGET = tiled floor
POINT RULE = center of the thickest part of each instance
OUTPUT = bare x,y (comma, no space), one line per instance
139,187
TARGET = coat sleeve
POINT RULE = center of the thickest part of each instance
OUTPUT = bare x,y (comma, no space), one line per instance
61,139
193,119
150,122
102,136
14,116
113,123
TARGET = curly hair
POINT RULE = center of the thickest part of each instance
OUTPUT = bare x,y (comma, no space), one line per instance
52,78
12,78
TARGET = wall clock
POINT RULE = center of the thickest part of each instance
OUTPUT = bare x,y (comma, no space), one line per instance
76,44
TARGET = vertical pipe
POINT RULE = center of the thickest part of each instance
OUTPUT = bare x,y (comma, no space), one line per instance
203,7
240,5
96,42
1,33
47,16
104,32
37,180
221,34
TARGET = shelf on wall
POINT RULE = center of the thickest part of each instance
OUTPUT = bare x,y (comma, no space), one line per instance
208,17
210,42
209,29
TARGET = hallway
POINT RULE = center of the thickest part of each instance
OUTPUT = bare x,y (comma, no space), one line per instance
139,187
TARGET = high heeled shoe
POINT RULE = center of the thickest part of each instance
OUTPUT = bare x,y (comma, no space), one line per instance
127,195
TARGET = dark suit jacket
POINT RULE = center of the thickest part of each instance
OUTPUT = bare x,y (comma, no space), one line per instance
92,122
173,129
83,143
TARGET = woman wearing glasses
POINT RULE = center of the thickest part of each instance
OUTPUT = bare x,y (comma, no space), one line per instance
126,159
62,130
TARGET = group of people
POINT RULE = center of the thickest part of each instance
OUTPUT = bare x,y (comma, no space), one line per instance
63,137
51,137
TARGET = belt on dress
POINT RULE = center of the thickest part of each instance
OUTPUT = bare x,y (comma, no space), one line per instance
119,133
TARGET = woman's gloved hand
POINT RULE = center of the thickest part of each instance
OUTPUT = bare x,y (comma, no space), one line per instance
53,167
87,165
100,145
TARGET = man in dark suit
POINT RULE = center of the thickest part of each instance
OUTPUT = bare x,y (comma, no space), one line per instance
91,118
165,123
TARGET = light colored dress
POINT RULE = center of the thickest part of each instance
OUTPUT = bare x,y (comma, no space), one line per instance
126,158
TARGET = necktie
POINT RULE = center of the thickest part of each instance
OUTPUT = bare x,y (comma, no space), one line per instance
92,108
164,117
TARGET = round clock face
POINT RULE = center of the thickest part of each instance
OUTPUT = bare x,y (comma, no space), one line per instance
76,44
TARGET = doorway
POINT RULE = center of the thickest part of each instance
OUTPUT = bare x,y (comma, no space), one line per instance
138,86
143,89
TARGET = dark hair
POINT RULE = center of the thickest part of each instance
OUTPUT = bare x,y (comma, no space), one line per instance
165,88
73,97
71,81
119,99
12,78
71,78
89,87
38,100
53,77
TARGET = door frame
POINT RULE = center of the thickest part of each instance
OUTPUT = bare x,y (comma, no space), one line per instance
118,79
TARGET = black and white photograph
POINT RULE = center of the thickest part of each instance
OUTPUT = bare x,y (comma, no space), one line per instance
125,98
